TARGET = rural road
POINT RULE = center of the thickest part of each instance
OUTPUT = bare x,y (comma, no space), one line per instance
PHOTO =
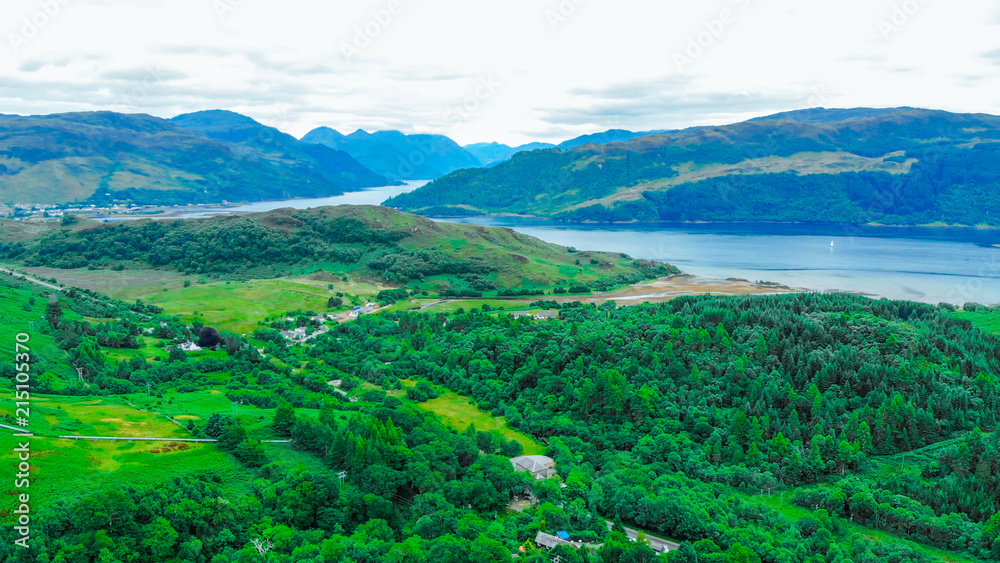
658,545
132,438
31,279
433,303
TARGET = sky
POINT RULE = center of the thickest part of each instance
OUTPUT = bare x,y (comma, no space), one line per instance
512,71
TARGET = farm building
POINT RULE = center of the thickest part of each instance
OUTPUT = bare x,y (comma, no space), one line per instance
549,541
539,466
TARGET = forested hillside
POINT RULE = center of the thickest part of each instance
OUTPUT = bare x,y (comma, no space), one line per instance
373,242
661,404
899,167
816,428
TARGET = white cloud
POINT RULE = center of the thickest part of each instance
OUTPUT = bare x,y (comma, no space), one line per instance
596,65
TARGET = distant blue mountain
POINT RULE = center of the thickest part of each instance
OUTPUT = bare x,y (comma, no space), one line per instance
609,136
491,154
397,155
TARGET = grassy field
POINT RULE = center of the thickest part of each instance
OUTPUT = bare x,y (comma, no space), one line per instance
232,305
986,321
148,348
200,405
18,316
459,412
126,285
65,469
238,306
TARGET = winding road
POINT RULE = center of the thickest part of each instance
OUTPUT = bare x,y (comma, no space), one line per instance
30,279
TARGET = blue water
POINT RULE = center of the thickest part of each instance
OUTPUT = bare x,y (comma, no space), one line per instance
921,264
370,196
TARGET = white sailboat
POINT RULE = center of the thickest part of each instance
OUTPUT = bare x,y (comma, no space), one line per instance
831,244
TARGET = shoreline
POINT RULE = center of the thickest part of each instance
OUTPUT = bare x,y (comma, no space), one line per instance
702,222
680,285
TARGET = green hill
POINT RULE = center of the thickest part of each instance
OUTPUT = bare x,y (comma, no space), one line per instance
902,166
372,243
104,156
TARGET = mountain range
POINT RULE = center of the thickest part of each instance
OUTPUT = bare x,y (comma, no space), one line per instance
894,166
491,154
397,155
605,137
214,156
100,157
856,165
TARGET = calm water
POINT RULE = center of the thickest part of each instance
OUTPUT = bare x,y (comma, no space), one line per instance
371,196
921,264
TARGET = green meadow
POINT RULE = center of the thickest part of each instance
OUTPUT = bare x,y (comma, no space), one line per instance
985,320
459,412
63,469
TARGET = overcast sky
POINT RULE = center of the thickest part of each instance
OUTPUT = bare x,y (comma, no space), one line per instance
507,70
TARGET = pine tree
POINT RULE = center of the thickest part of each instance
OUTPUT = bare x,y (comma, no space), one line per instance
284,419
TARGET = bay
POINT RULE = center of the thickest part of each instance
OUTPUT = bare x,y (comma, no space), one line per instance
370,196
928,264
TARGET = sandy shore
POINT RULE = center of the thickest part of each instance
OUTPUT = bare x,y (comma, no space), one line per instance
665,289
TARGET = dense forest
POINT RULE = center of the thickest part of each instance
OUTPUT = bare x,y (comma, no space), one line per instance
689,419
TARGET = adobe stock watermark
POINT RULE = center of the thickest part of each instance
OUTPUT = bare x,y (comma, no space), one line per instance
483,91
461,113
561,13
712,33
817,95
32,25
367,33
223,8
901,15
970,290
141,90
